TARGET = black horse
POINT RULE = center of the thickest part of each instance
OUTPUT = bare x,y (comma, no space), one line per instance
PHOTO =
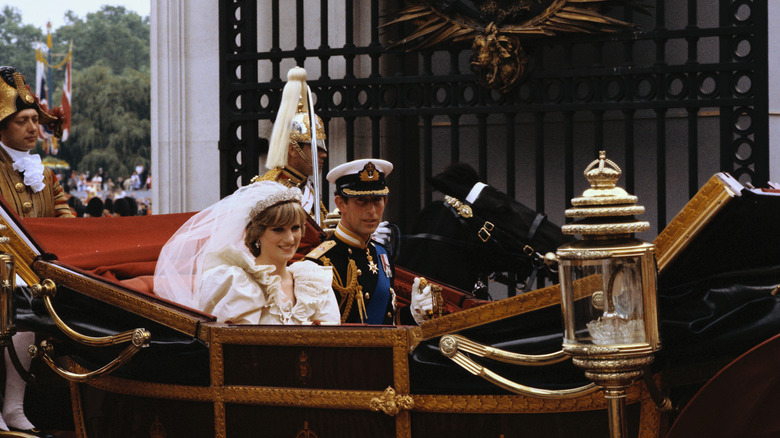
463,243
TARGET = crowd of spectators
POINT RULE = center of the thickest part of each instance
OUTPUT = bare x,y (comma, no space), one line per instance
96,194
96,206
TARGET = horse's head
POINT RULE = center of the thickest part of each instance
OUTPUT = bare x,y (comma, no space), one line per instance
500,235
517,223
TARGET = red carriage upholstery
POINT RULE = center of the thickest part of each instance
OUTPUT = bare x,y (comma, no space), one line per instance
121,249
126,249
113,247
454,298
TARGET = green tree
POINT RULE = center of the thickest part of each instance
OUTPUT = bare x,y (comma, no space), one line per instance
17,42
117,37
111,91
113,120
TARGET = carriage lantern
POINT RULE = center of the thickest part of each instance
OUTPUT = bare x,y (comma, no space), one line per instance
608,288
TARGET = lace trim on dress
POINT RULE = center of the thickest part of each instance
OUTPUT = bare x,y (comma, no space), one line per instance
311,284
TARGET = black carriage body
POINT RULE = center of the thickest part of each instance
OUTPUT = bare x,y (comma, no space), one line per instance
202,378
198,377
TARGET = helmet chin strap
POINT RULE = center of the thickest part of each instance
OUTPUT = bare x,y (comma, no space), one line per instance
306,159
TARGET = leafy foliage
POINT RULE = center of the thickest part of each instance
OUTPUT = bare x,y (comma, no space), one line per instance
113,119
111,83
115,36
16,41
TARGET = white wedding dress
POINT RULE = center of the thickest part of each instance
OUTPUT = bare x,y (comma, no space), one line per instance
236,289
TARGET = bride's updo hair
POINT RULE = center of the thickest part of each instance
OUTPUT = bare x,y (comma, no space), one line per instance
278,215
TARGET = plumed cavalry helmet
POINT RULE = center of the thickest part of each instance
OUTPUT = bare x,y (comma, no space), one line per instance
292,125
15,95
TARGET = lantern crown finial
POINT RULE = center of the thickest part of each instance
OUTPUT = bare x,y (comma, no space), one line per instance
603,173
604,209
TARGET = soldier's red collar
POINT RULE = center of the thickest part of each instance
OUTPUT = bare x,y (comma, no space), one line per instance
349,237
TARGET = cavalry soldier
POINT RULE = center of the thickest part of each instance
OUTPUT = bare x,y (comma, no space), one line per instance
362,270
289,157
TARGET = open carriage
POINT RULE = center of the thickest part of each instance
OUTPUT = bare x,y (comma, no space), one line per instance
139,365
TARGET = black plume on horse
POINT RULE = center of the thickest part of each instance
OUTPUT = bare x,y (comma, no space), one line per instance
501,236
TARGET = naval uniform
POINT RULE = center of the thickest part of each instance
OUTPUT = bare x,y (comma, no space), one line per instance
362,277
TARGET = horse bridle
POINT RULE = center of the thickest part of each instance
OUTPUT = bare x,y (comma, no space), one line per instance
489,234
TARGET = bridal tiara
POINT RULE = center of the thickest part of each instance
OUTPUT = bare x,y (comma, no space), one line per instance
284,195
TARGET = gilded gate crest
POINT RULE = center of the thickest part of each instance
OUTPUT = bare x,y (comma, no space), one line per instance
495,28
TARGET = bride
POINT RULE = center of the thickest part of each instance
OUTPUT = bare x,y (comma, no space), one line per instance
230,260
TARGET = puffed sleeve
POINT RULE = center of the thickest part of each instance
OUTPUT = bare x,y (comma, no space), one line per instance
314,294
229,289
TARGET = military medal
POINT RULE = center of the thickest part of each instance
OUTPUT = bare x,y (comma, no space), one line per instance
371,265
386,265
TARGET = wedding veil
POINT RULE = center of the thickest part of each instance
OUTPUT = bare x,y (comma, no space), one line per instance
180,265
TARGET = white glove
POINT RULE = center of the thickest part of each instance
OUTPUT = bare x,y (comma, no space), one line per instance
382,233
422,302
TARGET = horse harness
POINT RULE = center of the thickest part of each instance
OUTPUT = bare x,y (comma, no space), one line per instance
491,235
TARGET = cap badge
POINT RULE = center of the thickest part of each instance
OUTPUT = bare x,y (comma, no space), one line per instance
369,173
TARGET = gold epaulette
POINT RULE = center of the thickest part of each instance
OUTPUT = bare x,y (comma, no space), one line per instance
271,175
286,176
320,251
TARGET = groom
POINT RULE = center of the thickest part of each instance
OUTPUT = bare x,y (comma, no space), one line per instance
362,269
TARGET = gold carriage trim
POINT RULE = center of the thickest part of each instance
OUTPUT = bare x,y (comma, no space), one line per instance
606,200
588,230
583,255
341,399
351,192
391,403
605,211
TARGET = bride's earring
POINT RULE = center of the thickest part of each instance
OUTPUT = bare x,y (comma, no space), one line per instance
257,244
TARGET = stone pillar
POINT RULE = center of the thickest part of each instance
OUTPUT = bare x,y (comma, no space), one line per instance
774,91
185,105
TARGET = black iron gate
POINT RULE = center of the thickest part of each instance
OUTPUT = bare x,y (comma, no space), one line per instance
679,99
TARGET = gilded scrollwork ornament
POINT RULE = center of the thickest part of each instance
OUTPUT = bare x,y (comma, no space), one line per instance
391,403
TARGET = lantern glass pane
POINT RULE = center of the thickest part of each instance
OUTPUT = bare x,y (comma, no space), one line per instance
608,306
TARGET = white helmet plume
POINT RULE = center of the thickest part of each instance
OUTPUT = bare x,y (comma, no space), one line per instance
293,93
